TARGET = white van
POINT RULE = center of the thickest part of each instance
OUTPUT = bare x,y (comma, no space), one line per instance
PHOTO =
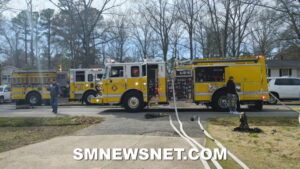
284,88
5,94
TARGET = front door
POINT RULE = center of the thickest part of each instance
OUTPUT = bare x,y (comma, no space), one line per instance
115,84
152,74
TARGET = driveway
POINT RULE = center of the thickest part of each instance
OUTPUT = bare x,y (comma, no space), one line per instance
58,153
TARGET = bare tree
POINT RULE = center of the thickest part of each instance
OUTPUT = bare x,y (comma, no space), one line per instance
230,24
10,48
175,39
188,11
3,6
86,18
265,32
289,9
120,33
46,23
21,22
240,17
160,15
206,37
142,34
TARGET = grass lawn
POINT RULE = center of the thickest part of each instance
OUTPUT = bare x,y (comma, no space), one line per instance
277,147
20,131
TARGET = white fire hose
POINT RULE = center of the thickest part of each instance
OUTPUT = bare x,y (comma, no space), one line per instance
188,139
290,108
235,158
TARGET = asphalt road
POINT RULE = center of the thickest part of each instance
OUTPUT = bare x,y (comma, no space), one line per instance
119,122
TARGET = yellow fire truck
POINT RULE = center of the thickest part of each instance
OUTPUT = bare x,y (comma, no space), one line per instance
33,87
82,83
203,81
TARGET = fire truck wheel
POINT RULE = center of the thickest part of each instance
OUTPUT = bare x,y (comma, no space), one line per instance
1,99
87,97
219,101
34,99
133,102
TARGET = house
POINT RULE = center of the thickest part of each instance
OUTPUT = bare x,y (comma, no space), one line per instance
278,68
6,72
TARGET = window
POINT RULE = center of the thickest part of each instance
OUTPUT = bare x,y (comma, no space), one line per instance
90,77
282,82
144,70
296,81
5,77
117,71
99,76
269,73
210,74
285,72
1,89
135,71
7,89
80,77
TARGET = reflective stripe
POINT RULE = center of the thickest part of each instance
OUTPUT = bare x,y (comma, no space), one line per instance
239,93
253,92
17,93
162,94
23,93
203,94
46,92
78,92
112,96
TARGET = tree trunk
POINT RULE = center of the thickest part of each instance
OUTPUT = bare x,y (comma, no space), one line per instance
49,44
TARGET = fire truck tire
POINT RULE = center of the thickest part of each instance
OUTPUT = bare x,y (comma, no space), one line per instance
219,101
34,99
87,96
133,102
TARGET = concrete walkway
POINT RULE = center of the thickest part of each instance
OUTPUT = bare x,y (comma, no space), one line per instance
58,153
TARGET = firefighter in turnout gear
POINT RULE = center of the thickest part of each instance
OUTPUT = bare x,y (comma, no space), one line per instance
54,93
231,95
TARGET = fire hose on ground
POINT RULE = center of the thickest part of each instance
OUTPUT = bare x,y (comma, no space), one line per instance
188,139
290,108
191,141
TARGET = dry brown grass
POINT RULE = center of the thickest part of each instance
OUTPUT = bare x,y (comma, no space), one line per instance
278,147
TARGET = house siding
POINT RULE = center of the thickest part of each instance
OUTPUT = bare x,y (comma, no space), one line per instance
275,72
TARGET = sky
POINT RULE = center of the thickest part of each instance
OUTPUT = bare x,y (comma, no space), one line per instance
18,5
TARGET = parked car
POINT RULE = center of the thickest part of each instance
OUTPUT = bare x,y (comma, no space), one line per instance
5,94
284,88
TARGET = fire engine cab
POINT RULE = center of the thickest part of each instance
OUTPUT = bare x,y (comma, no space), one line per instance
82,83
201,81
